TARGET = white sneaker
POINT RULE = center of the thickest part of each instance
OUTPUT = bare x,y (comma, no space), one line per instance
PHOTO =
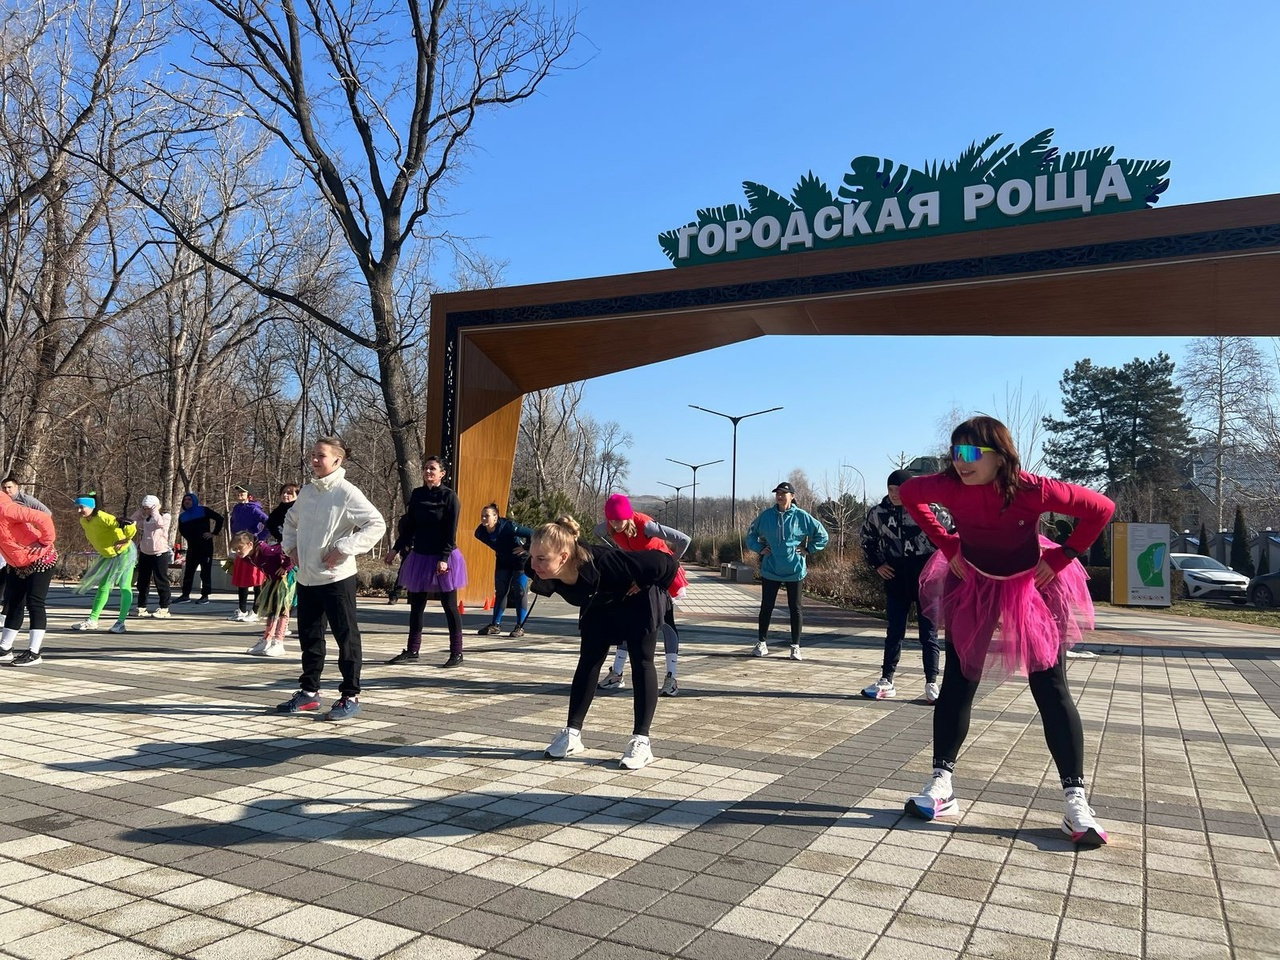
613,681
162,613
258,649
274,650
936,799
882,689
638,754
119,627
250,617
89,623
932,692
565,744
1078,823
761,649
795,652
669,686
237,617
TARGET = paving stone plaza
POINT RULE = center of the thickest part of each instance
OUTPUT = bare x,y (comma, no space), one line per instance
153,808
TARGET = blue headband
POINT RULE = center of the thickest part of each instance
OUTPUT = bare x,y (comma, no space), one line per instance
86,502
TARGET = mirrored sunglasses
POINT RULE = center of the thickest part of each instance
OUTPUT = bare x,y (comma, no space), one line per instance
969,453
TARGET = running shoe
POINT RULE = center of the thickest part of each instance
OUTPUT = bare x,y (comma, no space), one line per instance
27,659
300,703
566,744
882,689
669,686
119,627
613,681
6,656
258,649
935,800
344,708
237,617
489,630
404,656
274,650
250,617
795,652
90,623
1078,823
162,613
761,649
932,691
517,632
455,660
638,754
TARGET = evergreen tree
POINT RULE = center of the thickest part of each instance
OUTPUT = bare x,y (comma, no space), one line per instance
1241,561
1204,542
1123,428
1264,555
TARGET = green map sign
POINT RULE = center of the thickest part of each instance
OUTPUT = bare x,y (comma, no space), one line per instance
990,185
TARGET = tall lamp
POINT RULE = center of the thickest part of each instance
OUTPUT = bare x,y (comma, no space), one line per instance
695,467
733,470
677,490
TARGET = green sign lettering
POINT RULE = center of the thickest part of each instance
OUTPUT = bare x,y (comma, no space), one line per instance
990,185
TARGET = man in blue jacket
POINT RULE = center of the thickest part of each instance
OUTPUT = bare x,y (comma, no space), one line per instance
784,535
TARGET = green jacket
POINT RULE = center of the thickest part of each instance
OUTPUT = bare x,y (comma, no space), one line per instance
102,530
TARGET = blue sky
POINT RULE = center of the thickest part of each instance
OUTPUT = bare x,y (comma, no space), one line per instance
673,105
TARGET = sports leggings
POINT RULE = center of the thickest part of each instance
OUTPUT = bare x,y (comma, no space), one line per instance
1063,731
595,647
769,596
418,606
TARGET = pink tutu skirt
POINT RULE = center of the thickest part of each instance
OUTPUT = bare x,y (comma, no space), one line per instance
418,573
1002,626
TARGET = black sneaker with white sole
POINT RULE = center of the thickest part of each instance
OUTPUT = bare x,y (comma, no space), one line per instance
26,659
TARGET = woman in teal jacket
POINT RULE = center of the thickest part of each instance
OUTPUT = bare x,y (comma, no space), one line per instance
784,535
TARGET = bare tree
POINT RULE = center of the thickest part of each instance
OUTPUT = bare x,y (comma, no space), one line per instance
375,105
1225,386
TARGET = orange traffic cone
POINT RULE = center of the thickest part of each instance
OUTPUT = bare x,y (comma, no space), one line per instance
488,604
461,607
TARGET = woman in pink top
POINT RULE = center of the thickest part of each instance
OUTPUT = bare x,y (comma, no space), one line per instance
1011,600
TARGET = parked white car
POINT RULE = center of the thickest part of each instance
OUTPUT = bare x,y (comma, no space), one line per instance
1204,578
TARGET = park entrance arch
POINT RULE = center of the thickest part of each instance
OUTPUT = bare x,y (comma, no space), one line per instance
1203,269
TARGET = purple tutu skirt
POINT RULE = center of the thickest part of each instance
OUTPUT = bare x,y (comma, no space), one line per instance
418,573
999,626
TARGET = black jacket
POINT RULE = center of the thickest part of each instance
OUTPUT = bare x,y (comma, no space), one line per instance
275,520
601,591
193,531
430,523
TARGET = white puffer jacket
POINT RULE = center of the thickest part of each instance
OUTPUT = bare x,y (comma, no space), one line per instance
330,514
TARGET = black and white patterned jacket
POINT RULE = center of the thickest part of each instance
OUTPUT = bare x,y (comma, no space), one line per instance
889,535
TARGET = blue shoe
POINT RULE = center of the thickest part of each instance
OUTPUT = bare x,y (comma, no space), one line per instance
344,708
300,703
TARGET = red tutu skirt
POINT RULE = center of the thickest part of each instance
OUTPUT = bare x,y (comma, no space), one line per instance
245,574
999,626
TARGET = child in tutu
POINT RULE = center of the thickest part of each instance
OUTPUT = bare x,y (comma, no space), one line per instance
1011,602
276,596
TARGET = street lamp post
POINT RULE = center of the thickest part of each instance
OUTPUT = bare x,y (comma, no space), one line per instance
695,467
733,470
677,490
863,501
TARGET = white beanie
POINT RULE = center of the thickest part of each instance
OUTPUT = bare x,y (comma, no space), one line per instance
150,502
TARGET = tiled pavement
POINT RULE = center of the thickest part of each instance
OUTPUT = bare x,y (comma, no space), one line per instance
151,808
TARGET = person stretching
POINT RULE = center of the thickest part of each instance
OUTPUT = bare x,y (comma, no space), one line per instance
117,556
1010,600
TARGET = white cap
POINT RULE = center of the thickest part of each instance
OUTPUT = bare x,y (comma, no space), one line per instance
149,501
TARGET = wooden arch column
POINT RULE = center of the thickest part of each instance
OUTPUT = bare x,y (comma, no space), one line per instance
1196,270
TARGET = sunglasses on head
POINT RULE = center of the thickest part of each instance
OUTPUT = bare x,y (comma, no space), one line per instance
969,452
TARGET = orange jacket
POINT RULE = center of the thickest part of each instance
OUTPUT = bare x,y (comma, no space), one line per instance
26,535
642,541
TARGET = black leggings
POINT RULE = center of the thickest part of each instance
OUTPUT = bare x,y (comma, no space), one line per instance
243,597
26,595
1063,731
769,596
644,678
153,566
452,619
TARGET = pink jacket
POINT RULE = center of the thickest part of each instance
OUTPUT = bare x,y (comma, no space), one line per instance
26,535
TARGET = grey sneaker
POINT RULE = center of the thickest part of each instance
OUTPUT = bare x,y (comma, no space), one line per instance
344,708
613,681
565,744
119,627
669,686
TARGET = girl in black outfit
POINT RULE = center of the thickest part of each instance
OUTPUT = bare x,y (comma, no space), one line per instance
198,525
431,564
623,597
